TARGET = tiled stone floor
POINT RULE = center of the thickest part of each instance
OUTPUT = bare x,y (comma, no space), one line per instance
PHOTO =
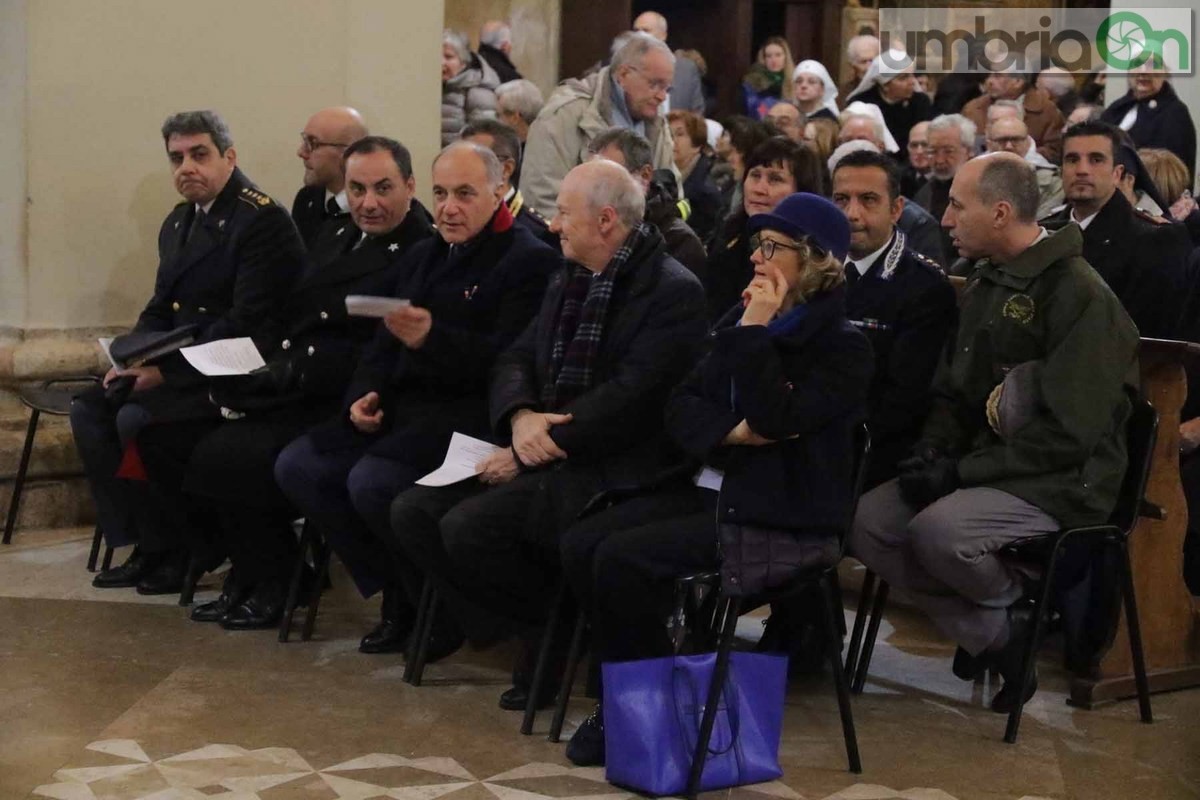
106,695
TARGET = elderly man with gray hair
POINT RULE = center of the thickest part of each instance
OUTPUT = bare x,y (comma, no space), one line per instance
1025,433
576,406
628,94
471,290
517,105
951,144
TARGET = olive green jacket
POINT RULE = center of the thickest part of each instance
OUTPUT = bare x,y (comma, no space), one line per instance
1048,306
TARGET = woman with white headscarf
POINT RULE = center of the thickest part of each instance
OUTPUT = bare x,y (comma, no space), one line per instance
889,83
815,90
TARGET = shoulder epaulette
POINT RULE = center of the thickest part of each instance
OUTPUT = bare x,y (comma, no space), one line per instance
925,260
533,212
254,197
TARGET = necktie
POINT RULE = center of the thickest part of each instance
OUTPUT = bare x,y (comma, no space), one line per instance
332,208
852,275
197,223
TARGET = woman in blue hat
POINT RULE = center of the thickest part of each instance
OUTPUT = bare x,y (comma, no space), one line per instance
767,422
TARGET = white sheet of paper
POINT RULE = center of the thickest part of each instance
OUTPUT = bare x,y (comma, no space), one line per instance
709,478
369,305
462,455
106,346
225,357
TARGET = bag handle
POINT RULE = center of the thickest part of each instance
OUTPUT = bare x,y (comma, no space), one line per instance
697,717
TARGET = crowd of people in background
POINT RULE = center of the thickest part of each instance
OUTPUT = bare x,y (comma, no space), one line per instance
616,288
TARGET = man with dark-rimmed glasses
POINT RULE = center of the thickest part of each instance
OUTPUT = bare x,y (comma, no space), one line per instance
325,137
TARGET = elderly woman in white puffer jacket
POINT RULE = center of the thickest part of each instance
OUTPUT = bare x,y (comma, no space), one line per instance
468,86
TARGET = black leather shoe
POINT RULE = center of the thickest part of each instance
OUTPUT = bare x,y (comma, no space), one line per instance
516,698
389,636
263,609
127,575
586,748
1008,661
214,610
165,578
968,667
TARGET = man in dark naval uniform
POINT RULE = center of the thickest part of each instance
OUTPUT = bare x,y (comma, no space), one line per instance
227,257
226,465
322,142
1141,260
899,298
502,140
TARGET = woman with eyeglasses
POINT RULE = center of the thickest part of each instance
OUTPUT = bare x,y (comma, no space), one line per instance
767,421
773,170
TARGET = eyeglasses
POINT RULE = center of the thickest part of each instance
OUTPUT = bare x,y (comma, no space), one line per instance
311,143
768,246
1002,141
947,152
918,145
655,84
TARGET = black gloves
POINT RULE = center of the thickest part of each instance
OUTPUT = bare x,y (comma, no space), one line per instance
927,476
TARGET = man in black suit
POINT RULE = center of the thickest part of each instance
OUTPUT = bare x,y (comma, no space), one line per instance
1141,260
473,289
227,257
502,140
226,465
322,142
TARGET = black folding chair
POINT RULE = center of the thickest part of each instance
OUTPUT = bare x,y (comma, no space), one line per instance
54,398
1141,433
311,544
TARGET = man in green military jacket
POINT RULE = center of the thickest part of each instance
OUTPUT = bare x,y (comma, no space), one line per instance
1025,433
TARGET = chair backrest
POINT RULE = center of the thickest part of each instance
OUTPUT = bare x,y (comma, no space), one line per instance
862,456
1141,434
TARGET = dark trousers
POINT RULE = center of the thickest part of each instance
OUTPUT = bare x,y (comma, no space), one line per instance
127,511
493,551
622,564
347,494
220,474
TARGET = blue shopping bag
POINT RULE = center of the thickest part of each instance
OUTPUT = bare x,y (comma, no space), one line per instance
652,713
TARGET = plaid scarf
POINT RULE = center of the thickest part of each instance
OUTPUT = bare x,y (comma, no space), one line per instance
580,325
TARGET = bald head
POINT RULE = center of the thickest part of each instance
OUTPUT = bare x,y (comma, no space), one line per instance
599,203
496,33
326,135
993,207
653,23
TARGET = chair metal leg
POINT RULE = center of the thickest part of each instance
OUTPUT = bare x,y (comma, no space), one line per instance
727,628
414,638
568,681
14,503
868,648
97,539
293,596
424,633
543,659
1029,650
839,612
191,577
839,676
107,562
1135,635
860,622
321,555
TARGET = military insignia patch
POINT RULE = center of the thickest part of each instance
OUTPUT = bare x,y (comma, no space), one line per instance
1019,308
255,197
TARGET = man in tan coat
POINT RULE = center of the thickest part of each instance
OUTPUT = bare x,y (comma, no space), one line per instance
1042,117
626,94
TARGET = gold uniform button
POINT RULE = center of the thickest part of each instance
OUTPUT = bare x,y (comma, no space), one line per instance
287,344
311,350
203,310
324,315
175,306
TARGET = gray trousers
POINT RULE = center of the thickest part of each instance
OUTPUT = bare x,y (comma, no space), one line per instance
944,556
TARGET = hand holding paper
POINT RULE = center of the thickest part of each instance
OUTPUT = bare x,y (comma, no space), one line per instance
462,458
369,305
225,357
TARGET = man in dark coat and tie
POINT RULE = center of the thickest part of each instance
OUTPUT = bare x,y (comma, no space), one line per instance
227,257
226,465
322,142
1141,259
473,289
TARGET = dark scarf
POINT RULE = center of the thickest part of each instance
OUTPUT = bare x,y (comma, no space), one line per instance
581,320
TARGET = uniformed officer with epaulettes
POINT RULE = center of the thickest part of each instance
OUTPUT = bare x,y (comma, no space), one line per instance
227,257
504,142
323,197
899,298
1140,257
228,464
